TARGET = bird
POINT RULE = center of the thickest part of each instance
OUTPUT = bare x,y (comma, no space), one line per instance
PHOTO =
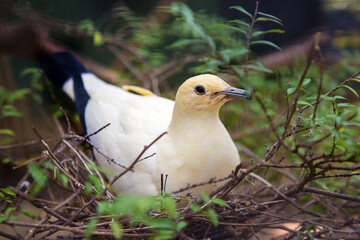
196,147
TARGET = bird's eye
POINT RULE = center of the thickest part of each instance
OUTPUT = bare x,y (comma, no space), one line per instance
200,90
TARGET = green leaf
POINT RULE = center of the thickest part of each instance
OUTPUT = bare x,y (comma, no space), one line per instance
181,225
231,28
257,68
98,38
33,215
258,33
350,88
90,227
205,197
7,132
355,79
64,179
160,223
162,234
265,19
10,111
97,183
264,42
169,204
195,208
212,216
6,160
240,22
308,227
8,211
3,218
116,229
38,174
304,103
241,9
298,235
291,91
220,202
269,16
184,43
306,82
300,116
8,191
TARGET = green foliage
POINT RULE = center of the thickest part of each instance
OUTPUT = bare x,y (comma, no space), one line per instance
7,110
7,215
138,208
90,227
62,176
39,176
159,212
7,195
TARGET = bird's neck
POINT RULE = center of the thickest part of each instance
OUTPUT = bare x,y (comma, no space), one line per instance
184,119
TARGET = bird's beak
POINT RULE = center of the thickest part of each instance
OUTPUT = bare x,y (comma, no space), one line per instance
236,92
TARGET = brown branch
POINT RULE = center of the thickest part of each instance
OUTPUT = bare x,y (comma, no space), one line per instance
132,165
332,194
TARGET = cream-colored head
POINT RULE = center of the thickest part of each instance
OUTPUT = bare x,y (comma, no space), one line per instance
205,93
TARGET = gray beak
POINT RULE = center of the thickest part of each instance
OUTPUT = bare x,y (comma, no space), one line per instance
236,92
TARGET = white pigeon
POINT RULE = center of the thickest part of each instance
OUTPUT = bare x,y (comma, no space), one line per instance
196,148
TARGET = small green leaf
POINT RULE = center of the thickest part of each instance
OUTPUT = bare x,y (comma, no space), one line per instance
306,82
269,16
205,197
38,174
90,227
298,235
355,79
64,179
98,38
195,208
257,68
241,9
8,211
116,229
31,214
240,22
184,43
231,28
160,223
10,111
6,160
212,216
8,191
3,218
300,116
308,227
7,132
220,202
291,91
169,204
265,19
305,103
259,33
266,43
181,225
351,89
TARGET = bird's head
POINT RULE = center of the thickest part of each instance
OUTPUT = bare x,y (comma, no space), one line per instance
206,93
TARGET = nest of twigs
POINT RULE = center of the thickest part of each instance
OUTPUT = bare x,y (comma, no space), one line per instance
263,210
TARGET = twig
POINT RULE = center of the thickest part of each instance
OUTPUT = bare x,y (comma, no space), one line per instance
137,159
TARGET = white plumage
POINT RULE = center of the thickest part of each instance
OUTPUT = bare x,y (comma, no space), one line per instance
196,148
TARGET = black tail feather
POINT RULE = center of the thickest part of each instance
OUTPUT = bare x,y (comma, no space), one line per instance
63,66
